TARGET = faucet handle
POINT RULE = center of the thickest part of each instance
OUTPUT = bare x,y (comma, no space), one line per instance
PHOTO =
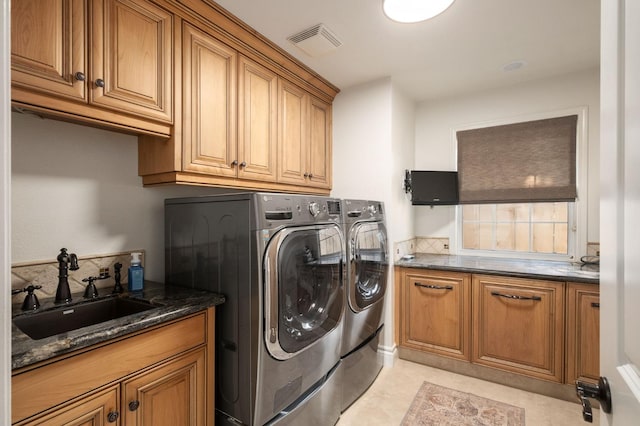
73,262
31,302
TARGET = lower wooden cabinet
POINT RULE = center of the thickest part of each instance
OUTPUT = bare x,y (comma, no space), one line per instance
583,332
518,325
94,410
542,329
436,312
163,376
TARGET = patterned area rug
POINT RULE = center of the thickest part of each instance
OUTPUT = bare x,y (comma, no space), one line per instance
437,405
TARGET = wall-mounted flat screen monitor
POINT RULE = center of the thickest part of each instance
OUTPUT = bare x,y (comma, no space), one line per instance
434,188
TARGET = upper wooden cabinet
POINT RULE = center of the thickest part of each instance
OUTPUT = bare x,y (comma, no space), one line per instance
209,104
131,57
214,102
122,80
48,46
304,149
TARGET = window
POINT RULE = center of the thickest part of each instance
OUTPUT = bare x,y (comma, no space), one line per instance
539,228
518,188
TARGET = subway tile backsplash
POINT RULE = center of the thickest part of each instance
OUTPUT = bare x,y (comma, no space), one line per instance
46,274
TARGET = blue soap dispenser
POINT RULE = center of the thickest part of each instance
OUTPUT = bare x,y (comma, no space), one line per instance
136,273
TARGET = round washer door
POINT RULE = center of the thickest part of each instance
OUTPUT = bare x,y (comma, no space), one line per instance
368,264
303,287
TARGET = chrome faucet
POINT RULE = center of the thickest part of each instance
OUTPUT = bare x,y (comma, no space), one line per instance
66,261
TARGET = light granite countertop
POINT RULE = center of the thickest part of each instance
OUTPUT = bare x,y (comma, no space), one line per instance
523,268
171,303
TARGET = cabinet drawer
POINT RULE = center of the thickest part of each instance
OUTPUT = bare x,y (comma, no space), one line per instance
52,384
437,313
519,325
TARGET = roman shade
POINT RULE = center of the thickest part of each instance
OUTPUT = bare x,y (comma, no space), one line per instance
533,161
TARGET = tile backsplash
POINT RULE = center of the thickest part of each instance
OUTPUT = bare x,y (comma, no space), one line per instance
46,274
433,245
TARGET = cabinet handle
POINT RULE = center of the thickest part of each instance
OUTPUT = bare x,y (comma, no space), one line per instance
306,175
243,164
113,416
100,82
79,76
434,287
234,163
516,297
133,405
595,305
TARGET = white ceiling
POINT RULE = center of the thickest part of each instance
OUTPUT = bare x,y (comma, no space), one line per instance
462,50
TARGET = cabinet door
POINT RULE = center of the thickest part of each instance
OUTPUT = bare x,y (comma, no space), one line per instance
131,58
172,394
293,136
48,46
583,332
99,409
257,121
437,313
519,325
319,161
209,104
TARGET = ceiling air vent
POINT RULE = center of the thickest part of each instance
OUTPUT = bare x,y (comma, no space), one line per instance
316,41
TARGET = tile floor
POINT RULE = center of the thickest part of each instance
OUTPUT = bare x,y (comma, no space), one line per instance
387,400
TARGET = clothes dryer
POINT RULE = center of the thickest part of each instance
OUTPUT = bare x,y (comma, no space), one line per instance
365,282
278,260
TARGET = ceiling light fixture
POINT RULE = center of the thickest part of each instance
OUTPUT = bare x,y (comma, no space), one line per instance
408,11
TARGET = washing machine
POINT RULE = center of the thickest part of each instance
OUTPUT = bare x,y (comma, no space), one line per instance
366,277
279,261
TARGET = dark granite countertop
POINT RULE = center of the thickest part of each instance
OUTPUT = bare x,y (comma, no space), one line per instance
171,302
523,268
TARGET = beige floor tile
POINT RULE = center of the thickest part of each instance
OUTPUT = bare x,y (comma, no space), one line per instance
389,397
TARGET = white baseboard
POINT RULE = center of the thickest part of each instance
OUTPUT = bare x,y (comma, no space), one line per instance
389,354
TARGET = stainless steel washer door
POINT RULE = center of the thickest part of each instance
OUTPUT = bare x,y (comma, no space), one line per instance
303,287
368,264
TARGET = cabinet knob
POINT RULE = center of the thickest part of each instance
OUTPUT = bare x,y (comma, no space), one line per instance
310,175
113,416
234,163
79,76
243,164
306,175
133,405
100,82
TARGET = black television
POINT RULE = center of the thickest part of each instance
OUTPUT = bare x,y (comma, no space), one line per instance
433,188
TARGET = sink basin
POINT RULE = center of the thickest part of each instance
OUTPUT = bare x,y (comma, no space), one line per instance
49,323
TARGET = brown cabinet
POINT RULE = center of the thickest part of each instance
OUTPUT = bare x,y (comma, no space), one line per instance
583,332
518,325
160,377
257,121
436,312
48,46
122,79
94,410
168,395
304,136
209,104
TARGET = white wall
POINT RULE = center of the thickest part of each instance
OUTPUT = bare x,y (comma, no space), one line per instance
78,187
373,132
435,146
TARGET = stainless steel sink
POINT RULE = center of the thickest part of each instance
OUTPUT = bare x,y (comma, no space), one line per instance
49,323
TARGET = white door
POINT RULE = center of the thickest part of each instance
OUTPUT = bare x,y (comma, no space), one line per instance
620,208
